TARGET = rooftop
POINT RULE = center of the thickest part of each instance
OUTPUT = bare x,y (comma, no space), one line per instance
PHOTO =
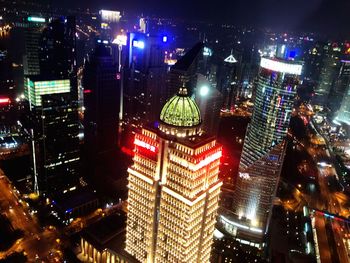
104,230
74,199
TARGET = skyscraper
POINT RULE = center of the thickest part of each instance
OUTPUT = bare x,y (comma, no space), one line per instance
341,84
54,120
322,62
184,72
227,80
32,36
57,55
209,101
143,77
263,150
101,94
343,114
173,187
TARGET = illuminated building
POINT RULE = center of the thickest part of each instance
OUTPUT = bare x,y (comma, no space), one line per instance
53,118
142,25
184,72
226,80
341,85
263,151
325,71
173,187
57,54
209,101
31,43
343,114
34,90
109,16
144,78
109,24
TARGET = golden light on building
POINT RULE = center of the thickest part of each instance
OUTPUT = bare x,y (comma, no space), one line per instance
173,187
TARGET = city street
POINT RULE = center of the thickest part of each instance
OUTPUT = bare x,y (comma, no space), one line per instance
332,238
37,243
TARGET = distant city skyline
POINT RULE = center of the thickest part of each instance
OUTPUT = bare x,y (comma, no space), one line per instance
312,15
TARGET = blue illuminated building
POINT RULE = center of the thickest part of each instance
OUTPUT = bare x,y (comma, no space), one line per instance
144,77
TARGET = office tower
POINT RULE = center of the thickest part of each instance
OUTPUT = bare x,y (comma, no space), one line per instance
341,84
343,114
145,65
54,120
324,73
173,187
227,79
109,24
263,151
314,56
57,55
32,37
247,71
155,89
101,101
209,101
184,72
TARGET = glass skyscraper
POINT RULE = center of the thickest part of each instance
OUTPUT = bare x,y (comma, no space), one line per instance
263,149
53,117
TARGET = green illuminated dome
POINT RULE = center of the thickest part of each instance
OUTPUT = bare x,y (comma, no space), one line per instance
181,111
180,116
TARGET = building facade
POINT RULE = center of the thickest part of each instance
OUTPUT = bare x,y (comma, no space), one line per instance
53,118
173,187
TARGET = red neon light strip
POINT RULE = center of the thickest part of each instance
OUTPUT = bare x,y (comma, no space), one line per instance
4,100
145,145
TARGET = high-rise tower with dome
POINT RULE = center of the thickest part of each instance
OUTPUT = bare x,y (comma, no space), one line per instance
173,187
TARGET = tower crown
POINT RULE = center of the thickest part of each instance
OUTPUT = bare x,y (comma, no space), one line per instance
181,111
180,115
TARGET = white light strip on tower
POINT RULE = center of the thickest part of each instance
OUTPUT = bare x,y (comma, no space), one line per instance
181,198
194,167
279,66
141,176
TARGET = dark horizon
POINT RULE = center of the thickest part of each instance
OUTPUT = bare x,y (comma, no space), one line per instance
321,16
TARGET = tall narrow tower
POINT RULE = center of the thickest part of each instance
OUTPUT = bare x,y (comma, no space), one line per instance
173,187
263,150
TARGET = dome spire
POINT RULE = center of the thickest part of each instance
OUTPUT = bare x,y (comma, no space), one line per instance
180,115
182,91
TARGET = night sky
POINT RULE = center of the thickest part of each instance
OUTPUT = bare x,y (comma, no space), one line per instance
320,15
